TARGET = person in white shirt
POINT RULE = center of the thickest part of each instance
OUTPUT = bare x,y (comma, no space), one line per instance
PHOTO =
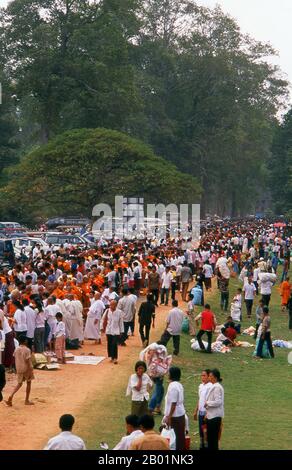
249,290
208,272
200,411
133,431
19,317
166,279
174,322
174,412
138,386
215,410
51,310
113,325
92,326
30,321
128,306
60,338
66,440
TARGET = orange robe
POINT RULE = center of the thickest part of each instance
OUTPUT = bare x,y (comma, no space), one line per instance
285,292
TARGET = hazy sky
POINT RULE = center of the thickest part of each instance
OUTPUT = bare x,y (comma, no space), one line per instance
265,20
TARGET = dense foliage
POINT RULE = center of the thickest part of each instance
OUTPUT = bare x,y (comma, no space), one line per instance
179,77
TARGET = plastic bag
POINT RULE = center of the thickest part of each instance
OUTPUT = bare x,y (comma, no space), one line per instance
169,434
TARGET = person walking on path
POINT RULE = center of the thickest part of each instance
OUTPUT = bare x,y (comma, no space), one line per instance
113,325
24,370
173,327
208,325
146,315
186,278
249,290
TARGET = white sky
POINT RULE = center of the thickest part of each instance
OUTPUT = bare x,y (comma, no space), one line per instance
265,20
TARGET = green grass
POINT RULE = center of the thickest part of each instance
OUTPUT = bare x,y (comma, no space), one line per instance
258,411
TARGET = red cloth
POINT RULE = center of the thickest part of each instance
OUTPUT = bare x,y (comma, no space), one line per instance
208,323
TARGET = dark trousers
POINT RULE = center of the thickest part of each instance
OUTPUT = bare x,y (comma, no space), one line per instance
224,300
144,331
213,432
112,346
248,304
201,344
266,299
164,292
290,319
39,340
19,334
29,343
266,338
175,338
127,325
173,289
178,425
201,421
155,294
132,325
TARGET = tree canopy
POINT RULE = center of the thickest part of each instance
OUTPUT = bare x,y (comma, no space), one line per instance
83,167
180,77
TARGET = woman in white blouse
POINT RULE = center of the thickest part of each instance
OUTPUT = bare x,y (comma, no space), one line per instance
174,412
138,386
113,325
215,409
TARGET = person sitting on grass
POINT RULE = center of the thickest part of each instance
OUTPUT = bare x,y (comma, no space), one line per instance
150,440
24,370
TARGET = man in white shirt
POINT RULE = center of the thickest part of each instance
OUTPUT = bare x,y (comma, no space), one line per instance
127,305
133,431
166,279
66,440
249,290
173,327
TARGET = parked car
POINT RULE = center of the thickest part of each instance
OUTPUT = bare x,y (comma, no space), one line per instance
60,239
7,255
26,245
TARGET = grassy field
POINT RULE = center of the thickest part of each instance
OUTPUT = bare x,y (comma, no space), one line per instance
258,410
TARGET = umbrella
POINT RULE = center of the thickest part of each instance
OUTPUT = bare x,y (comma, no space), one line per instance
279,225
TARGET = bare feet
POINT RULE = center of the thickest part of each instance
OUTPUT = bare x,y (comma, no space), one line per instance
27,402
115,361
8,402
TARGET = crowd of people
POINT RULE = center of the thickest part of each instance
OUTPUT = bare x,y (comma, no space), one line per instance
57,299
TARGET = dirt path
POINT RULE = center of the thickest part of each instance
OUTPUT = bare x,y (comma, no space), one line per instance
65,391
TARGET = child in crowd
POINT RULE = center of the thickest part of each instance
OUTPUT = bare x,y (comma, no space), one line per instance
60,338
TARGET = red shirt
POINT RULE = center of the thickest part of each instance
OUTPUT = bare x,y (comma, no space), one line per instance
208,323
